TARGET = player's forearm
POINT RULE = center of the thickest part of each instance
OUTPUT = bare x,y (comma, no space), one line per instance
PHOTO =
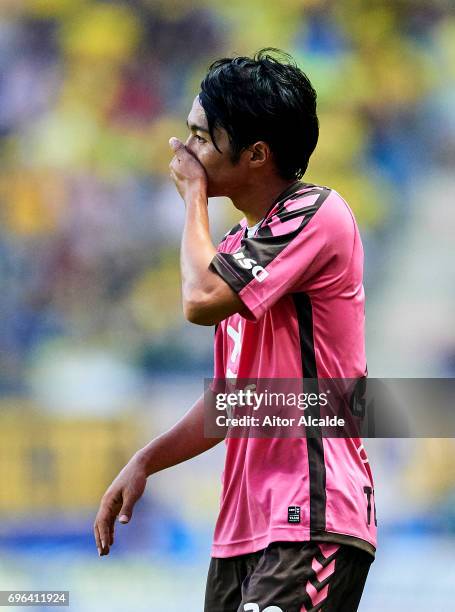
207,299
183,441
197,251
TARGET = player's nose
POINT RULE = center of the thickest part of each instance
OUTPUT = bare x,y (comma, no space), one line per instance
189,144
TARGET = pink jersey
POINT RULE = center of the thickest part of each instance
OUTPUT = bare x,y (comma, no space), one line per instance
300,276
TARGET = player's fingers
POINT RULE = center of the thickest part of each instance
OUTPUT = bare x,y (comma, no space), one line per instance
176,144
174,165
175,168
104,528
126,511
97,538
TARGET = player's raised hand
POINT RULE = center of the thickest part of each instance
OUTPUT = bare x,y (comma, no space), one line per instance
119,500
185,169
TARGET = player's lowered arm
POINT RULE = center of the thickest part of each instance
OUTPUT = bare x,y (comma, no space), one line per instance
183,441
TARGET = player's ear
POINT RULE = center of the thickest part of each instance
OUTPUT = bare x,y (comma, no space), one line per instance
259,153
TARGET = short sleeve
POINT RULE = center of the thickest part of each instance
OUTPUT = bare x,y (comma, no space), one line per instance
291,245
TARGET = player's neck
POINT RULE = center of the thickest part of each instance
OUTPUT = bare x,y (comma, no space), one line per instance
255,200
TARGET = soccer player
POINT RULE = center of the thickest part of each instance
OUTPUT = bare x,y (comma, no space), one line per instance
297,524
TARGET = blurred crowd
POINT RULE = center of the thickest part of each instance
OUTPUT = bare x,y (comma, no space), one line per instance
90,92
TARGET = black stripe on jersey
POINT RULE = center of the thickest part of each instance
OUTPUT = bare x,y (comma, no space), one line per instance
263,248
283,215
322,192
315,447
236,276
234,230
264,232
231,232
287,194
297,192
304,310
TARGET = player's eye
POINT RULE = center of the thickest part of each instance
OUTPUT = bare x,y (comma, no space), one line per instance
199,138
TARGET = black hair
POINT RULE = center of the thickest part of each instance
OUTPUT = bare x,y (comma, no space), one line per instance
266,97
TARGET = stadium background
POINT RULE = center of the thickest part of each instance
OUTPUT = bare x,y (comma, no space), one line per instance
95,355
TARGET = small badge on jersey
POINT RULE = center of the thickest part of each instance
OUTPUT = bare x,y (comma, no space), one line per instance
294,514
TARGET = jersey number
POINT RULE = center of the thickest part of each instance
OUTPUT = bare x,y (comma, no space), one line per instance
369,492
